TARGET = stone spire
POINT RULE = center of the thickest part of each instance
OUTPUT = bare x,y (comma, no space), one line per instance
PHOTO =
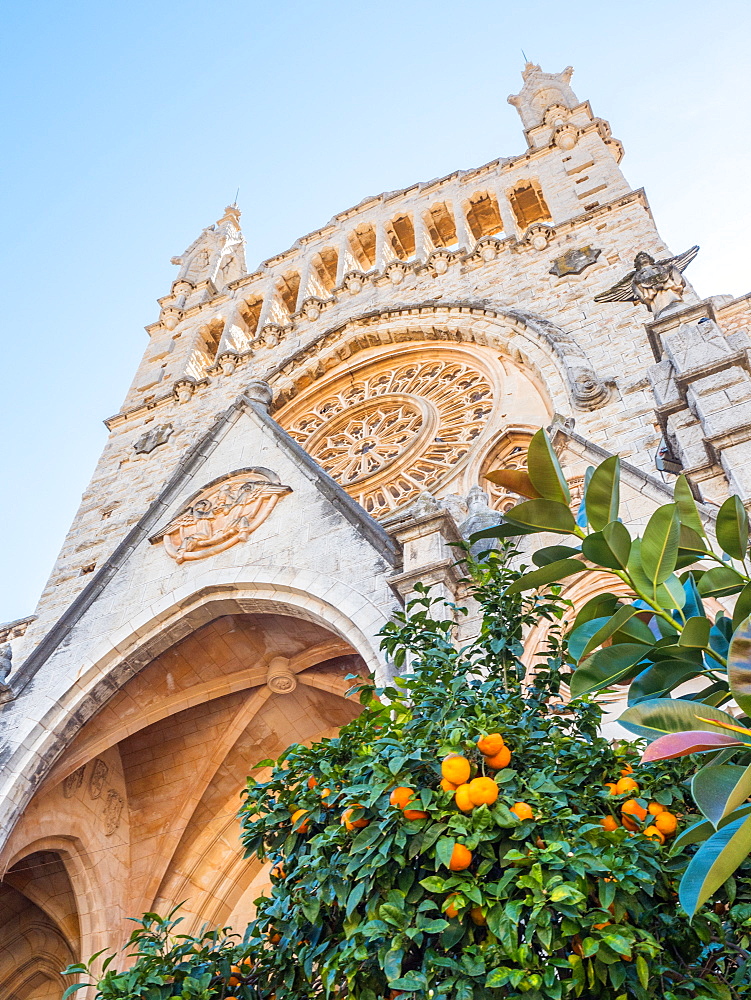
542,91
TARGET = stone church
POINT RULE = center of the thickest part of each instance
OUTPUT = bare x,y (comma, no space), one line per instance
300,445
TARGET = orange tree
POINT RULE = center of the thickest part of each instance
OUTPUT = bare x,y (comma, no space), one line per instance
467,837
531,878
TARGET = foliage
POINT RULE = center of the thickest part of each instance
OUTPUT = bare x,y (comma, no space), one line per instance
659,639
168,964
551,906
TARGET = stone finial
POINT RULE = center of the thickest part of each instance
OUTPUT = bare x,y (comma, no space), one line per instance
542,91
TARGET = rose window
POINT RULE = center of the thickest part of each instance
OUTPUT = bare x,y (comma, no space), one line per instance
387,435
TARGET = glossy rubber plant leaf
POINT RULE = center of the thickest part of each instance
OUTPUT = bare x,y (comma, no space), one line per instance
714,863
515,481
695,632
742,607
611,665
720,582
552,553
659,716
703,829
720,789
739,665
545,470
687,509
599,606
550,573
543,515
661,678
610,626
504,530
602,495
659,545
610,547
689,741
732,528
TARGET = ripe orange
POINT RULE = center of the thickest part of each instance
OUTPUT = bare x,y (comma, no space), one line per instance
490,745
609,823
482,791
654,834
451,911
274,937
632,808
325,793
461,858
625,771
500,760
353,824
401,796
666,823
599,927
462,799
456,768
477,916
415,814
312,782
278,871
234,979
448,786
523,810
654,809
297,815
629,824
625,785
610,785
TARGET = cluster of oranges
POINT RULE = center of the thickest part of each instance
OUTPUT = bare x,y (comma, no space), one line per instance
238,976
456,771
662,823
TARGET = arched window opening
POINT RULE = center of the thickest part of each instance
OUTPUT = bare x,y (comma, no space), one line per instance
441,226
323,276
250,313
483,215
401,236
528,204
289,286
363,245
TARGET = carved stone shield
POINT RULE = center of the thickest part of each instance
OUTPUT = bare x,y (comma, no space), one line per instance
574,261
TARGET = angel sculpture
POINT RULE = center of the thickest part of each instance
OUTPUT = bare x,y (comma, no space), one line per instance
658,284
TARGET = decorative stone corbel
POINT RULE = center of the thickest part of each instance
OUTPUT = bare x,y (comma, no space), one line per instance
566,136
227,362
396,271
487,248
271,335
183,389
539,235
312,308
354,281
426,534
438,261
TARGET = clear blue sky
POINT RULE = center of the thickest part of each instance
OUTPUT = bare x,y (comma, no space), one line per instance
128,127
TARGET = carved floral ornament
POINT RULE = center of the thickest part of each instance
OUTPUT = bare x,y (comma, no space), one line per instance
222,514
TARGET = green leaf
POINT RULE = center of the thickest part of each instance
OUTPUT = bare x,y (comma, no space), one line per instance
599,606
444,850
642,971
620,618
659,546
72,989
543,515
696,632
552,553
732,528
739,665
607,666
667,715
703,829
547,574
602,495
691,547
687,509
501,531
545,470
719,789
610,547
660,678
742,607
720,582
668,595
515,481
714,863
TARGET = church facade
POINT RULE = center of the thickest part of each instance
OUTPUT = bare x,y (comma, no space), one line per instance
300,445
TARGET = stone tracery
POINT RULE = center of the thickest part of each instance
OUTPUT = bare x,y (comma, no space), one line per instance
410,422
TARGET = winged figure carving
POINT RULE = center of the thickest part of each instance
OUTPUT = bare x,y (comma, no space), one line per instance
657,284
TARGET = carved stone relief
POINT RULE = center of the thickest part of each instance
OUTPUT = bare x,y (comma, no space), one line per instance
574,261
113,808
73,782
222,515
98,777
152,438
